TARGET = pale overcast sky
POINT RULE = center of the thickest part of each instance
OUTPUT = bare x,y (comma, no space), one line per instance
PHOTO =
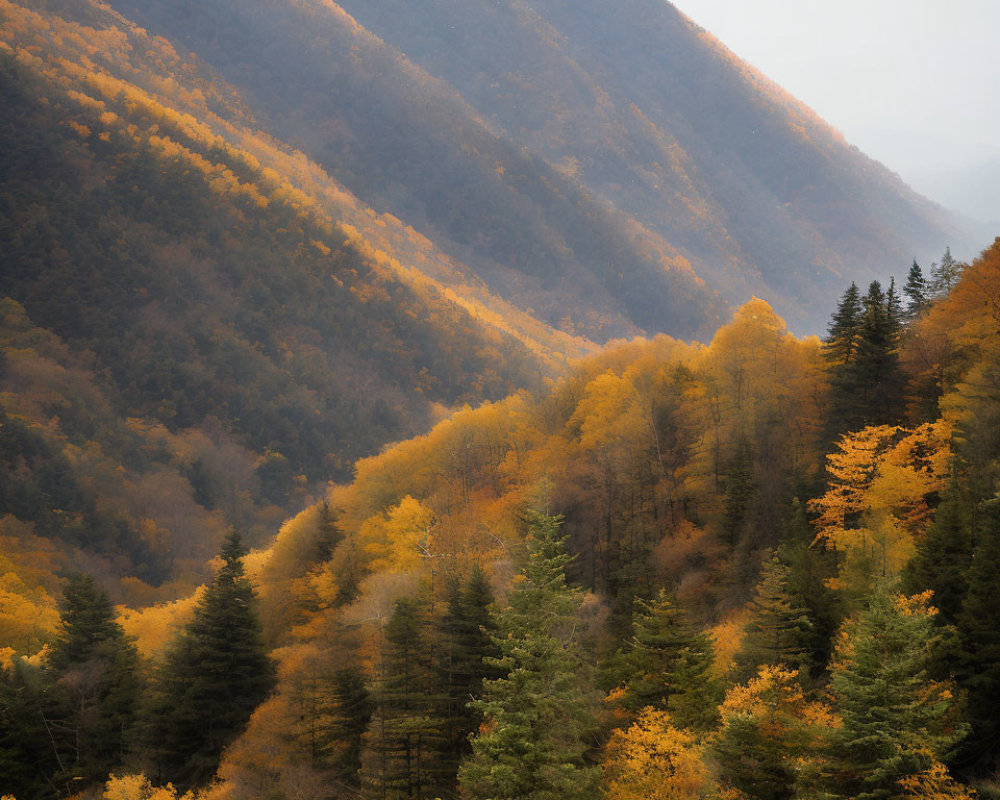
913,83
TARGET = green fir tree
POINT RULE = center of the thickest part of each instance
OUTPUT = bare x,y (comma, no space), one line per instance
538,717
217,672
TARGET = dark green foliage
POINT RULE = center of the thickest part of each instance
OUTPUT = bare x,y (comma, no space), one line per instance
944,556
809,568
216,674
353,709
862,350
405,740
29,759
740,489
895,720
667,665
979,645
916,291
779,630
538,717
467,629
92,687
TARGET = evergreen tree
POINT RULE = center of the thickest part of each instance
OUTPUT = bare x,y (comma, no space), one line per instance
945,275
896,721
979,645
92,686
216,674
740,490
669,666
944,557
538,716
916,291
467,630
844,330
404,745
862,350
779,629
28,755
352,711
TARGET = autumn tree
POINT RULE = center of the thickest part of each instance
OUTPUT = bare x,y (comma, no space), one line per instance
217,672
538,716
654,760
767,727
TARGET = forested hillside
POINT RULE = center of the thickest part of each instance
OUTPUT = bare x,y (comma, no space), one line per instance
397,401
582,159
199,324
682,572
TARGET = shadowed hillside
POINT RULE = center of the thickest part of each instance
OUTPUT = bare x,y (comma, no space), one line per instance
569,152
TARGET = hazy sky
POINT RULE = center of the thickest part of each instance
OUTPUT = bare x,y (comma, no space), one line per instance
913,83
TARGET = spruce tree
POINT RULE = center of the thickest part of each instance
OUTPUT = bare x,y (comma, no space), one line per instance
403,748
896,721
979,645
217,672
945,275
92,686
669,664
779,630
862,351
916,291
944,557
467,629
29,760
844,330
538,717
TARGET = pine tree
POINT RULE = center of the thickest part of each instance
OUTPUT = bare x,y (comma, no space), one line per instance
945,275
916,291
844,330
538,716
944,557
896,721
92,686
979,644
29,757
865,377
217,673
467,630
403,751
670,663
778,631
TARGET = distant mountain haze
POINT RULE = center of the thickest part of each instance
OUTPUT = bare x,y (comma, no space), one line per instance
594,163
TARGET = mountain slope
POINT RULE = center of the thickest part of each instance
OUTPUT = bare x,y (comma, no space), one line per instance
670,147
224,340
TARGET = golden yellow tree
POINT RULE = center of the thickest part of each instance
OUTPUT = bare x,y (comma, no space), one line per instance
653,760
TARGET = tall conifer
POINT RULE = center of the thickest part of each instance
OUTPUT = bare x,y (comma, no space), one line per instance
539,716
92,686
216,674
403,748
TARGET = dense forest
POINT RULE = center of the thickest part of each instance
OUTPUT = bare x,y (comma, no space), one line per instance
758,568
382,416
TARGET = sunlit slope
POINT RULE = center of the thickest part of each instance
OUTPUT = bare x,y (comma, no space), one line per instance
408,143
689,154
218,277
